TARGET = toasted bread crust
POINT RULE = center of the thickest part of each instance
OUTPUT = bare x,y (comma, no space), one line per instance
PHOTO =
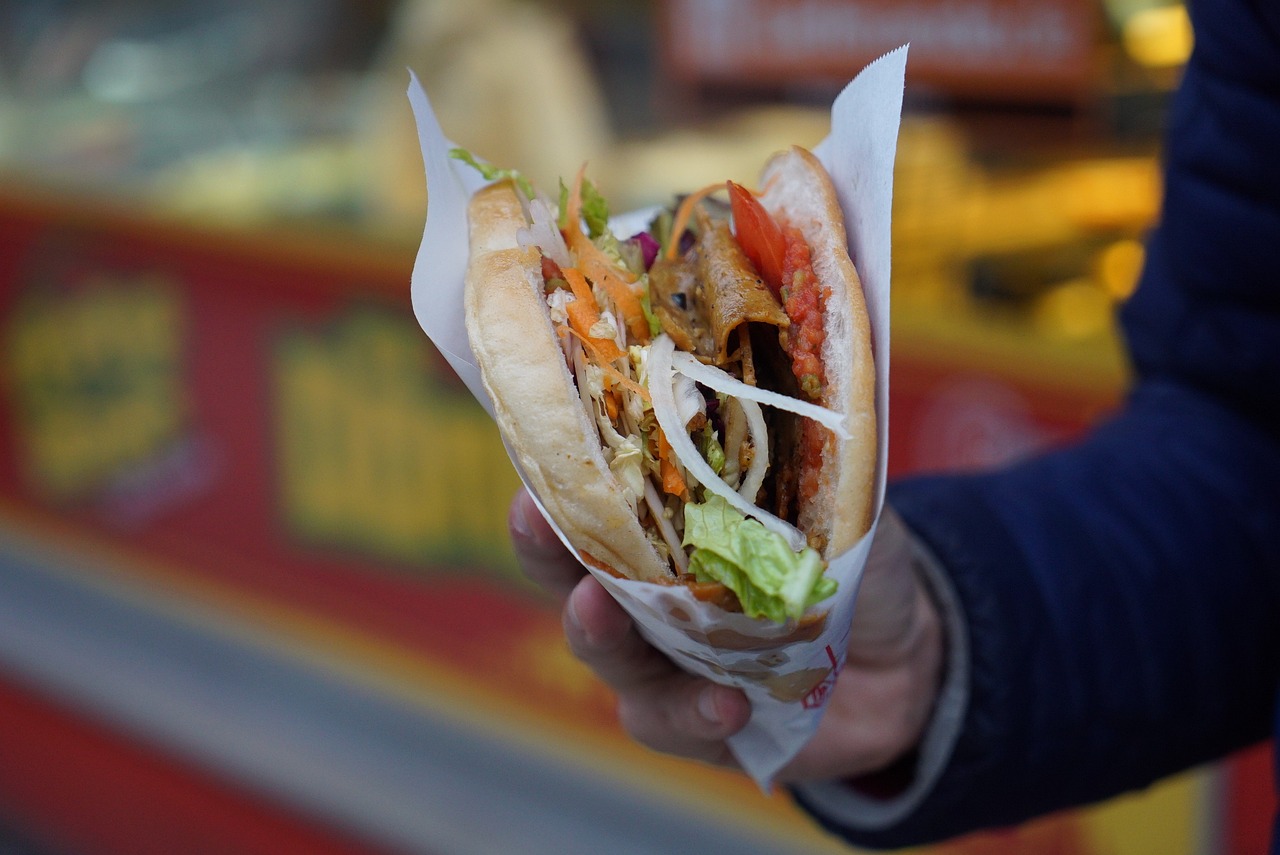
536,402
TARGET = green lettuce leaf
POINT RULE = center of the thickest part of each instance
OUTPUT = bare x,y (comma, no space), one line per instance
755,563
493,173
646,305
595,209
712,450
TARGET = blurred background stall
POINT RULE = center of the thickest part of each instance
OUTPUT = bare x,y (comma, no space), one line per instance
255,592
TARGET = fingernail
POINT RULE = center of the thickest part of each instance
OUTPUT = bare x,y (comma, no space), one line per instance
707,706
571,614
520,522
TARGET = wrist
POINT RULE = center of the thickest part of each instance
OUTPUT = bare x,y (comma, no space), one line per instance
924,660
906,681
927,667
932,701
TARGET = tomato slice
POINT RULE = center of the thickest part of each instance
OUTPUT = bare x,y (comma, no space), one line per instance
759,236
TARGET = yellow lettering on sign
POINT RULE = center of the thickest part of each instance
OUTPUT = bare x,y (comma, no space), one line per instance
375,456
97,380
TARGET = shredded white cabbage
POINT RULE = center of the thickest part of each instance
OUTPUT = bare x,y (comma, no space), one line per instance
605,327
591,379
661,372
639,362
633,405
557,302
627,465
582,372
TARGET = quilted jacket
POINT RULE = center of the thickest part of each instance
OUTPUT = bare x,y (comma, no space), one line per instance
1121,597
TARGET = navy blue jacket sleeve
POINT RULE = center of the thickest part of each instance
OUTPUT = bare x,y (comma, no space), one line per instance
1122,596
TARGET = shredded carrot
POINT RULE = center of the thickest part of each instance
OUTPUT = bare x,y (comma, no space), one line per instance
582,318
683,213
611,404
624,297
597,356
578,284
672,481
616,280
583,314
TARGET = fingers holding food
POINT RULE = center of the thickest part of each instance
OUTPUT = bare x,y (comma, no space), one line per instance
541,555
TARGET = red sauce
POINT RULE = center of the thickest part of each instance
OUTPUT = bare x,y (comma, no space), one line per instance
813,438
804,300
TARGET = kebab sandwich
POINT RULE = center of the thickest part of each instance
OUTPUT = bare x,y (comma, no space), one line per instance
693,404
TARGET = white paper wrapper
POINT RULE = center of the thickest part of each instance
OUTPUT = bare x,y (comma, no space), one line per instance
786,670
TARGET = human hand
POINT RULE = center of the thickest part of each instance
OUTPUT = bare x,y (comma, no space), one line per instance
877,710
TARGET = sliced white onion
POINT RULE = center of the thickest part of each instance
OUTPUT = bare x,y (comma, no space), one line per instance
760,458
544,233
689,401
661,381
708,375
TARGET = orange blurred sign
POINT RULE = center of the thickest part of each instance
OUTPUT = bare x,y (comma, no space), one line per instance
1027,50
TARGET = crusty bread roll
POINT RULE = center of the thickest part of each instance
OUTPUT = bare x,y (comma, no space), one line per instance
797,191
541,415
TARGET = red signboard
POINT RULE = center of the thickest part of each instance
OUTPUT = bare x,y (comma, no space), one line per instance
1029,50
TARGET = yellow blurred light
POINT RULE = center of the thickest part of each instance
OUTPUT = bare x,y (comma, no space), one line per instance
1160,37
1119,266
1075,309
1110,192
